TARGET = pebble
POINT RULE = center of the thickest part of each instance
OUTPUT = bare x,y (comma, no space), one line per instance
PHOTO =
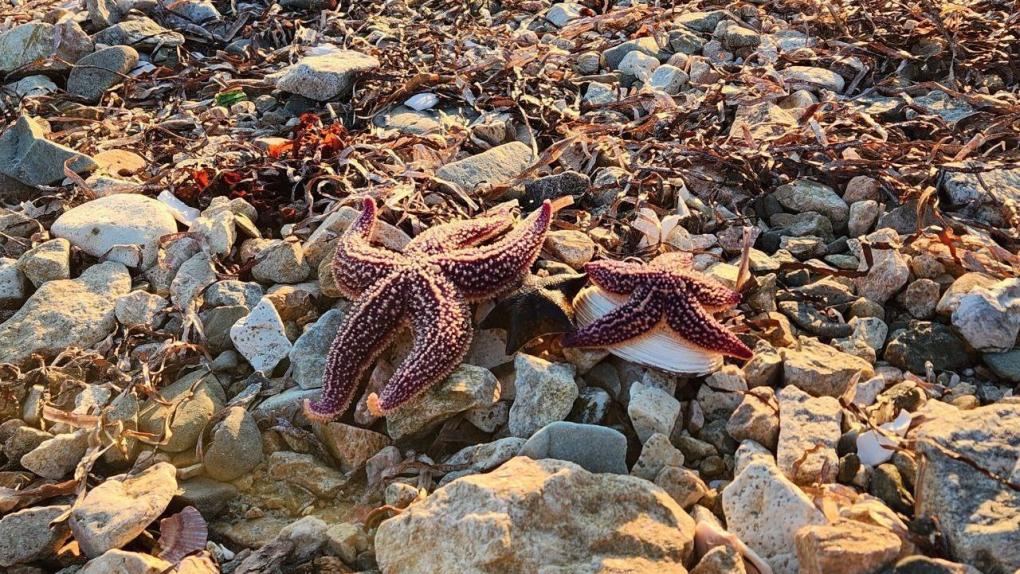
805,195
821,370
199,395
236,446
57,457
646,45
862,217
22,45
305,471
989,318
847,547
140,308
123,562
808,433
26,535
280,261
141,33
756,418
308,355
325,76
27,156
921,342
494,166
572,247
352,446
594,448
890,271
656,454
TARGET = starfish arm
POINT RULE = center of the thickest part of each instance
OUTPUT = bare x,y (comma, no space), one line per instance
486,271
364,334
457,235
686,317
441,324
619,277
709,292
357,263
639,315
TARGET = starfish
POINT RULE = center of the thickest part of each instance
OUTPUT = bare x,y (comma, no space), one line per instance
427,286
663,293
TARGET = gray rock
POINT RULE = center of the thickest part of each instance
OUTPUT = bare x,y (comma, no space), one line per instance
236,446
104,13
30,86
996,188
121,227
141,33
191,280
599,94
545,394
217,323
326,76
308,355
594,448
27,156
280,262
24,44
758,495
494,166
920,298
701,21
92,75
467,388
1005,365
862,217
889,272
939,103
591,406
57,457
23,440
232,292
805,195
756,418
638,65
307,472
123,562
554,186
613,56
682,485
141,308
115,512
26,536
14,285
963,285
656,454
261,337
652,410
561,13
684,41
763,121
978,514
989,318
48,261
809,77
193,399
65,313
352,446
669,79
483,457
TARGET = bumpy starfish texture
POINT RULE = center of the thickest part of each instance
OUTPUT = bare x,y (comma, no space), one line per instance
665,292
427,286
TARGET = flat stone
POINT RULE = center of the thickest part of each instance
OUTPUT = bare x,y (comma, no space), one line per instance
26,536
352,446
193,399
307,472
326,76
613,56
119,509
989,318
123,562
465,526
847,547
308,355
494,166
99,71
57,457
805,195
141,308
482,457
140,33
979,515
656,454
812,78
592,447
122,227
65,313
27,156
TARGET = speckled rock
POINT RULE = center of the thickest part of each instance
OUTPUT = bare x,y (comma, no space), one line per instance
123,227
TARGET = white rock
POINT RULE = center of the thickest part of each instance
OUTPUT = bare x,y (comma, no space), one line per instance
890,271
181,211
422,102
122,562
121,227
261,337
871,444
561,13
989,318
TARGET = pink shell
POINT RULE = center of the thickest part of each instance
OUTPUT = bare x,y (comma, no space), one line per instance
182,534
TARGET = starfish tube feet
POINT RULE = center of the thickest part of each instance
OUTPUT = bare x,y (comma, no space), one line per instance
363,335
634,318
489,270
358,264
694,324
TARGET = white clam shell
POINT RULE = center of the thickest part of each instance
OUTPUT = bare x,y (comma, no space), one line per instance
659,349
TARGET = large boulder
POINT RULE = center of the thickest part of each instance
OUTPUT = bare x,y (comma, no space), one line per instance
969,480
65,313
539,516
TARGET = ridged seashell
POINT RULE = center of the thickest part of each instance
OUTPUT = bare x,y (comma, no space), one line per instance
182,534
661,348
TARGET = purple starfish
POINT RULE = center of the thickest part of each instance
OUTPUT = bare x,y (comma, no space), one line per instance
665,289
428,286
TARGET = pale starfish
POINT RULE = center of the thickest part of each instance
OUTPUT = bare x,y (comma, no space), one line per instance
428,285
665,293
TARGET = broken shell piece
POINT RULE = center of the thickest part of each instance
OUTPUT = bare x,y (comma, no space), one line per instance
661,348
422,102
